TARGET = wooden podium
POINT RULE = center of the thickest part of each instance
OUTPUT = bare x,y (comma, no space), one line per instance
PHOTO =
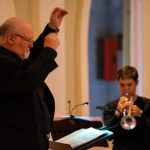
58,146
65,125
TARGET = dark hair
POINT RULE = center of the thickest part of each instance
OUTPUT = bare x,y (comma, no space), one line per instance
128,72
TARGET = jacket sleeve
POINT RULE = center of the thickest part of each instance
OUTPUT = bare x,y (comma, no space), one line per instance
145,118
38,44
19,79
109,118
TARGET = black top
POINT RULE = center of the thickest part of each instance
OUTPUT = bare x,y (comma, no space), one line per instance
137,138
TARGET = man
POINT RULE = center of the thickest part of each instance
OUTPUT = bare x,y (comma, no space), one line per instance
124,138
26,103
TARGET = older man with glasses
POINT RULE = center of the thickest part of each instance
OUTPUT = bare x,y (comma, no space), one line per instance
26,104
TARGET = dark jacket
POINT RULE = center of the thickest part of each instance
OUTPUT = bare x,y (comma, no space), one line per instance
137,138
26,104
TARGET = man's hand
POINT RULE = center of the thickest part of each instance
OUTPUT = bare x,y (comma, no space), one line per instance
123,103
56,17
136,111
51,40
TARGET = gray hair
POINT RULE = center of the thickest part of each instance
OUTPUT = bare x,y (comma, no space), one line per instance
3,29
10,25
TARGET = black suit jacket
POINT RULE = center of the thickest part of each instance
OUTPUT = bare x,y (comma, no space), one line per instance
26,104
139,137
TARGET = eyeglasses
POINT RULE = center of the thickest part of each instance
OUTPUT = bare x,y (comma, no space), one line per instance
25,38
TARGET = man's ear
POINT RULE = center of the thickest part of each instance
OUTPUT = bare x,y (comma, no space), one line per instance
10,39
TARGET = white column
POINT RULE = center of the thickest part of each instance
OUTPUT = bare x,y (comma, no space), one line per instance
139,50
136,49
7,8
146,47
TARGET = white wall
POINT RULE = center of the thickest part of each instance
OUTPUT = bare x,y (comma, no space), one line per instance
57,79
7,9
70,80
140,34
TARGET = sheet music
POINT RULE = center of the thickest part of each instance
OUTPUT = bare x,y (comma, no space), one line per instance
82,136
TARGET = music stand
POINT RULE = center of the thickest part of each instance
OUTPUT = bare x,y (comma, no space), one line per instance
65,125
87,145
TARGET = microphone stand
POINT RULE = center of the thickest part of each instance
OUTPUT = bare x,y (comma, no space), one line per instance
69,102
71,110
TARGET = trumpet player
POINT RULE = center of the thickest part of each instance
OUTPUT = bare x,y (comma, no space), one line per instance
129,118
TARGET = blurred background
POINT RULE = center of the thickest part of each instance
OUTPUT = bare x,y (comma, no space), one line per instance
97,38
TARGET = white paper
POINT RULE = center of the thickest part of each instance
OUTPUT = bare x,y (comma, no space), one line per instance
82,136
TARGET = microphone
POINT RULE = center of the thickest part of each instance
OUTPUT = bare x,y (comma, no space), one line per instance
73,108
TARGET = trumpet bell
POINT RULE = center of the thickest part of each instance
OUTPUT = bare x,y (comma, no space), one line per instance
128,122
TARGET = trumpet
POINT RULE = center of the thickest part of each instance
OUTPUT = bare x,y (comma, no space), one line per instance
128,121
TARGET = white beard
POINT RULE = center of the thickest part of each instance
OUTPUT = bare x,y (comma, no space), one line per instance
26,55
